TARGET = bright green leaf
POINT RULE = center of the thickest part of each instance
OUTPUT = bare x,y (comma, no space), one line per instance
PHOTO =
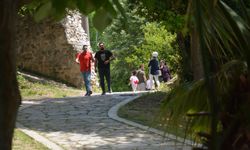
43,11
88,6
102,19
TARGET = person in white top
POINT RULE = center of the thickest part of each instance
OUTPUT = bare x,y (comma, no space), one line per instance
149,86
134,81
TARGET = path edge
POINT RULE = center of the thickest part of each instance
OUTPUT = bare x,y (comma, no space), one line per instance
34,135
112,113
39,138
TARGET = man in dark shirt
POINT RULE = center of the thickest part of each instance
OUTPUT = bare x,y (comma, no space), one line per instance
102,61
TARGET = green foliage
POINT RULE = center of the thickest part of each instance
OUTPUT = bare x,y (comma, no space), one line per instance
22,141
193,98
43,11
104,11
35,90
133,46
88,6
122,42
104,16
223,36
145,110
155,38
217,101
170,13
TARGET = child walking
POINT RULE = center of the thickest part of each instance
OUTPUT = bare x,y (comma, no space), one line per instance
134,81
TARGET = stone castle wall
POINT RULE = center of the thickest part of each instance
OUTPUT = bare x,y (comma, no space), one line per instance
49,48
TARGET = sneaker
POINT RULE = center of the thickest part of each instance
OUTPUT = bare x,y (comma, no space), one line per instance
103,93
90,92
87,94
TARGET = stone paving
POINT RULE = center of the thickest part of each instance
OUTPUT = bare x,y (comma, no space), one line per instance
82,123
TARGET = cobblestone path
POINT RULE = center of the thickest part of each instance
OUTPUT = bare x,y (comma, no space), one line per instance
82,123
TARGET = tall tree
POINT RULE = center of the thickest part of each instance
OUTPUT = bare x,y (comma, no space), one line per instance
171,14
9,94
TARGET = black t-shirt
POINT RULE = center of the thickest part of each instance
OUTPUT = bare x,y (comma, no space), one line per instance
154,66
102,56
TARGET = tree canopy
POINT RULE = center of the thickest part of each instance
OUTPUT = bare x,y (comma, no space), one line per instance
219,31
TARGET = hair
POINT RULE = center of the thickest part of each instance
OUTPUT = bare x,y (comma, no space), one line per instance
134,72
141,65
84,46
101,43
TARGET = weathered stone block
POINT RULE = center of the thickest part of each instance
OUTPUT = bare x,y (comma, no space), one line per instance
49,47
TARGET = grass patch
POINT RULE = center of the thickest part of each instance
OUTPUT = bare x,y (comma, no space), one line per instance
36,90
145,110
22,141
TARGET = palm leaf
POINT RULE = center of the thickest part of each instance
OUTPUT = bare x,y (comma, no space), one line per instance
191,98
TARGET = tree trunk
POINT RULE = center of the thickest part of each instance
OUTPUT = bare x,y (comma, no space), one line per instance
9,94
196,59
85,25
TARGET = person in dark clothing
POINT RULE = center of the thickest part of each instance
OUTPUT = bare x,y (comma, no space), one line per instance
102,61
165,73
154,70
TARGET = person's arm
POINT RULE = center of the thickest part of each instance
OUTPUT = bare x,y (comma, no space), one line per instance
77,59
130,80
110,58
92,57
95,61
145,79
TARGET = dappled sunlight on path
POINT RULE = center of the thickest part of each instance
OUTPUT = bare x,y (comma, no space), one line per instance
83,123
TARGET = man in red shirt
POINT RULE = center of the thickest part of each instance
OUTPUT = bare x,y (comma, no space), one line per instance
84,58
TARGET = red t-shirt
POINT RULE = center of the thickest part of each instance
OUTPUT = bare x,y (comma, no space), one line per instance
85,61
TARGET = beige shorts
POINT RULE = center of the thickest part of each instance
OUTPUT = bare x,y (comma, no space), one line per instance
141,87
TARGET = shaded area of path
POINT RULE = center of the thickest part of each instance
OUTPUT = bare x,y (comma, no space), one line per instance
83,123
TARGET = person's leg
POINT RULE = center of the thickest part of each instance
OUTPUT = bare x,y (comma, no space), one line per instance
143,86
139,87
151,81
157,81
88,82
101,75
107,76
85,81
161,78
134,87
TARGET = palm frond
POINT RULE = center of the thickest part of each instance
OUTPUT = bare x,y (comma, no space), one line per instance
192,98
